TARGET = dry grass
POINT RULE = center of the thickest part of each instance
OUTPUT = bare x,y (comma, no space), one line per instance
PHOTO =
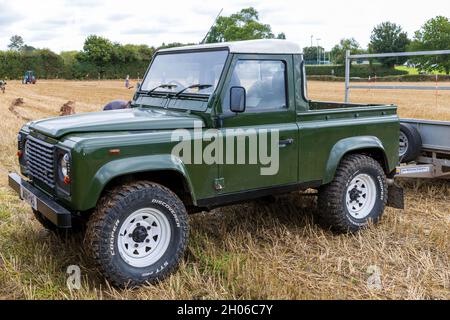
433,105
252,250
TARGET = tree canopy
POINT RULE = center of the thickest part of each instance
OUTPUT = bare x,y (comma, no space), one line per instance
117,58
16,43
434,35
339,50
243,25
311,54
97,50
389,37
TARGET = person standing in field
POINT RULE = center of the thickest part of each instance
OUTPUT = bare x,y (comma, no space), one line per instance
2,86
127,82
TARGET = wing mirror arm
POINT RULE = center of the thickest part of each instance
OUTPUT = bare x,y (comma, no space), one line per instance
238,104
221,117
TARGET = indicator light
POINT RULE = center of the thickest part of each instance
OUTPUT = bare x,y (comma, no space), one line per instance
114,151
66,180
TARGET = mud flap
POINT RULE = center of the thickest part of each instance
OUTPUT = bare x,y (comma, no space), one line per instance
396,197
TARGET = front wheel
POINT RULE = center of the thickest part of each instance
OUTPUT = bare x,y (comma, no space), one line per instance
138,234
356,196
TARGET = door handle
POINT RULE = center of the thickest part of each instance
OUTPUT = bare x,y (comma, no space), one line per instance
286,142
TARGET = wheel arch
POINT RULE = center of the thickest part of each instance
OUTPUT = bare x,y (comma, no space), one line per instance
162,169
368,145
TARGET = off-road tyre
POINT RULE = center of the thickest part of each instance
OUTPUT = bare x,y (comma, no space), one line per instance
115,207
410,143
336,212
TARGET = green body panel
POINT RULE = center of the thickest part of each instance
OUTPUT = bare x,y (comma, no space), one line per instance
116,120
241,177
126,166
93,165
321,133
326,136
348,145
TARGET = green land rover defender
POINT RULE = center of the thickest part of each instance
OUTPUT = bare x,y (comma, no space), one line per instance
210,125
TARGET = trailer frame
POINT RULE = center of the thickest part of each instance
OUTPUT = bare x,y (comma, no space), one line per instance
434,160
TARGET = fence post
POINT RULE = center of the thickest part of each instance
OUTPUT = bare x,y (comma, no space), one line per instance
347,75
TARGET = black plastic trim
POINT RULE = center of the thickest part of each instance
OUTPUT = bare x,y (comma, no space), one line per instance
54,212
237,197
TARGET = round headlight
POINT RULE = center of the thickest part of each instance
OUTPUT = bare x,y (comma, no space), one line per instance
64,164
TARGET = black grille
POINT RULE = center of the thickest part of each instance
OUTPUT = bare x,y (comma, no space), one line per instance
40,163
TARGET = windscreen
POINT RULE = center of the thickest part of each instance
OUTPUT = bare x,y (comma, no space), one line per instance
173,72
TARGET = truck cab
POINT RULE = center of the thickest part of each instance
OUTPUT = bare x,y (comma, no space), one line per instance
211,125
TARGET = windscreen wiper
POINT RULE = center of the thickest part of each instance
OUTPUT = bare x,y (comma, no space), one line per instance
199,86
165,86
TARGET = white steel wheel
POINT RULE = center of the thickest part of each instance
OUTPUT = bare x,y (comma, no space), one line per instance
144,237
404,144
361,196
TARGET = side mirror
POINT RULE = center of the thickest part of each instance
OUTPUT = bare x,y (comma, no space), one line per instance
237,99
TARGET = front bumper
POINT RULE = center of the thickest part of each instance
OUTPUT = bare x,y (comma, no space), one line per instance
48,207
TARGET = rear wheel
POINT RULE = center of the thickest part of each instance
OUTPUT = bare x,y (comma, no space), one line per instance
138,234
356,196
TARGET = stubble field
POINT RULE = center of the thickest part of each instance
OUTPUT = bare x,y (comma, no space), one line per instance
254,250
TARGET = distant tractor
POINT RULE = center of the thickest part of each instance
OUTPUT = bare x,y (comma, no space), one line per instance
29,78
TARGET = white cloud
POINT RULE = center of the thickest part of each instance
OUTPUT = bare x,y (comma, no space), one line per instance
63,25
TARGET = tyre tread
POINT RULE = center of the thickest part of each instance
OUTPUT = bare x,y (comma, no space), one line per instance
116,199
331,213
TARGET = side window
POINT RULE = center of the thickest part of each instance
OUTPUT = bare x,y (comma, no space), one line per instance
264,82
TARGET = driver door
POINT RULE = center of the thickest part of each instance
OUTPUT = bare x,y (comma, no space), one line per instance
270,111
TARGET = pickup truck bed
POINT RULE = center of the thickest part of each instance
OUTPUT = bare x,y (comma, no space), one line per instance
324,105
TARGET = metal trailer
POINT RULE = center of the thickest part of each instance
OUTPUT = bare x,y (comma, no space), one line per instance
434,157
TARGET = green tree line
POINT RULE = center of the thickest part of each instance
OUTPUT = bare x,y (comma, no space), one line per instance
104,59
390,37
101,58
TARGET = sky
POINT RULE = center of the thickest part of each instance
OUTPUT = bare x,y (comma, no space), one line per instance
63,25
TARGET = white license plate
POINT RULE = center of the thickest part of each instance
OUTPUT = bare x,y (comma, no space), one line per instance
28,197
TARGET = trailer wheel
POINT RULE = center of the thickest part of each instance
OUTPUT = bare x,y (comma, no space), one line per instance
410,143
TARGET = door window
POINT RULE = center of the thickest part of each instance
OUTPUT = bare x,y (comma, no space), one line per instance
264,82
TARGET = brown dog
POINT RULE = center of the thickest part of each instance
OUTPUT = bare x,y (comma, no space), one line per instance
67,109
